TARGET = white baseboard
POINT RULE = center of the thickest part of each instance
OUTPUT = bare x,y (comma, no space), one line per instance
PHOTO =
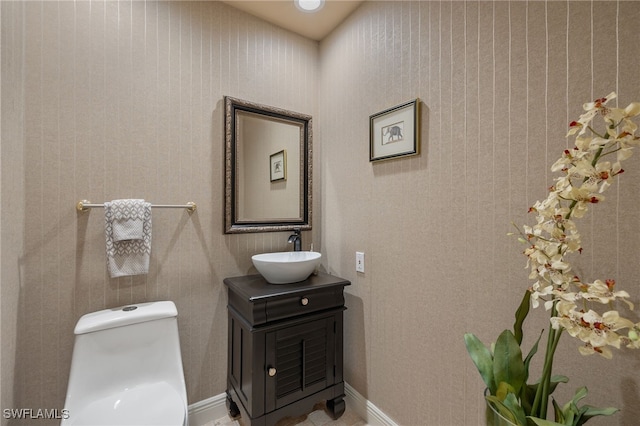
364,408
203,412
214,408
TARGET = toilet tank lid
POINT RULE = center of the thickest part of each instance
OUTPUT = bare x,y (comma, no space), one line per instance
125,315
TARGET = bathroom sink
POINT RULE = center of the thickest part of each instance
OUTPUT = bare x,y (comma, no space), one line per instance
286,267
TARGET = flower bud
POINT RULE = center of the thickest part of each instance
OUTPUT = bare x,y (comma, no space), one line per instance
633,109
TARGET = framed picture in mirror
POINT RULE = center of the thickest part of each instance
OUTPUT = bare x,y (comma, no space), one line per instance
278,165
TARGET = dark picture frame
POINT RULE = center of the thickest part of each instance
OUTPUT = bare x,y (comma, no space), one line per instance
278,165
395,132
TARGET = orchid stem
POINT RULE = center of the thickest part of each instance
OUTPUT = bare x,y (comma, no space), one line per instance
546,390
541,400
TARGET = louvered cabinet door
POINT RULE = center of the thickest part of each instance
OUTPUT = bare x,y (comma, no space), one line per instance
300,361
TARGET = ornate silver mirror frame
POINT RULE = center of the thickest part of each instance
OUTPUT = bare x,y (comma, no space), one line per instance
268,168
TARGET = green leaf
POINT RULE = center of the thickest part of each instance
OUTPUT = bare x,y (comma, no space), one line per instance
542,422
483,360
571,414
507,361
555,380
531,353
503,410
503,390
511,402
558,412
521,315
570,410
588,412
527,360
527,396
580,394
595,411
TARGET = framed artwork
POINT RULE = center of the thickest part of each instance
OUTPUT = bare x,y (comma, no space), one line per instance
395,132
278,165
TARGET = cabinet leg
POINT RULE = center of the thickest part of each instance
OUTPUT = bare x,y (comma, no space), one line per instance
234,411
336,406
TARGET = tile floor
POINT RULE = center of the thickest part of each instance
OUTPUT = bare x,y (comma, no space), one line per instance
319,417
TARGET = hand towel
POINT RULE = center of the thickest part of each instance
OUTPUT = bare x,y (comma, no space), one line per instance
128,246
127,219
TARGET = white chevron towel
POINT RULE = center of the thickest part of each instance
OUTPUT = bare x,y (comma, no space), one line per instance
128,237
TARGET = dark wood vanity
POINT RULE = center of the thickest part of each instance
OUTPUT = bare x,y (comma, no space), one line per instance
285,347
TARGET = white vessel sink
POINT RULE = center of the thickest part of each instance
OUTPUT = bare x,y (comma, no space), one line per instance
286,267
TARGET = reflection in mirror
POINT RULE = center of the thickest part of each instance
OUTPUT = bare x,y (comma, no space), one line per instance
268,168
267,189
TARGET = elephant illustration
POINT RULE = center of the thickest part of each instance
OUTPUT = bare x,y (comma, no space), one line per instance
394,132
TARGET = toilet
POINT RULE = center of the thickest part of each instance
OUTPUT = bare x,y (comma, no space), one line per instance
126,368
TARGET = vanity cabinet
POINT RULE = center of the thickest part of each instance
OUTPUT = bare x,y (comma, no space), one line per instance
284,347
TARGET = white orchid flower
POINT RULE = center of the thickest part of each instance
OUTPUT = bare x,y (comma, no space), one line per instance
584,177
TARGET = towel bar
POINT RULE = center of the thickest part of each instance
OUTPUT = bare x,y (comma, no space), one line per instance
84,205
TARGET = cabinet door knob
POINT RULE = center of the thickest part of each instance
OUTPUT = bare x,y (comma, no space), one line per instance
304,301
272,371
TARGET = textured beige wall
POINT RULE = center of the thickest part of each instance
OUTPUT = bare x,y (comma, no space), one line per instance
11,194
499,83
123,100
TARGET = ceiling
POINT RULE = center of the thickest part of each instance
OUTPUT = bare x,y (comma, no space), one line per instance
285,14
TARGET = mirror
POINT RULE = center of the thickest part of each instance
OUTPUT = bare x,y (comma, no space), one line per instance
267,168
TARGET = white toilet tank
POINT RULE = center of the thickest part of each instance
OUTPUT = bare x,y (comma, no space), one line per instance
127,369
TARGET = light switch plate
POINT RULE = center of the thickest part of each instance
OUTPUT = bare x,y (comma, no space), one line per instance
359,261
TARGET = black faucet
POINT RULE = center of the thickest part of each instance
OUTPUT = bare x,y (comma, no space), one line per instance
296,239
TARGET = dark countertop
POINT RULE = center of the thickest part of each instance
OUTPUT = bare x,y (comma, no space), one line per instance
256,288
